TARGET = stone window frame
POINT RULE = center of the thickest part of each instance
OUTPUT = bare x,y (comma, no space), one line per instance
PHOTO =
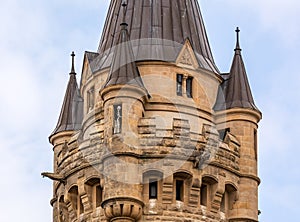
153,176
228,199
75,199
207,190
184,85
186,179
94,191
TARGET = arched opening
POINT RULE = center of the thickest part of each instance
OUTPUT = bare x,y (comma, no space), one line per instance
207,189
94,192
181,186
152,185
228,199
75,200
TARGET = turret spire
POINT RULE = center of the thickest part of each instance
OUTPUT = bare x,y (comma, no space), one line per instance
235,91
123,69
72,109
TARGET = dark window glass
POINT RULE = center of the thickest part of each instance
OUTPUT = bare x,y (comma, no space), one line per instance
98,196
117,119
153,190
179,190
179,84
189,87
203,195
223,132
255,143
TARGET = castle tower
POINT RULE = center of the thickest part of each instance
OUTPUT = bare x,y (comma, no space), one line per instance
155,132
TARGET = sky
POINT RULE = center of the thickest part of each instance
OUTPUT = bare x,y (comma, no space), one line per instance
36,39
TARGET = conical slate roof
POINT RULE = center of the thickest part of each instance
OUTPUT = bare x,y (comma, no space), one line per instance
123,69
157,30
71,114
235,91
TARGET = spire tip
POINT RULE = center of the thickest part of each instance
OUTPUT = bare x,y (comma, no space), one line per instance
73,64
237,48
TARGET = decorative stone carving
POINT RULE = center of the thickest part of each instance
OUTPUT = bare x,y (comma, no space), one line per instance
122,209
186,58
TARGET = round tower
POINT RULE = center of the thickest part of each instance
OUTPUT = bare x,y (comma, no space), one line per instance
156,132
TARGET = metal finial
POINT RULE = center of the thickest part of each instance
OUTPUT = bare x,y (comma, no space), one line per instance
73,63
237,39
124,5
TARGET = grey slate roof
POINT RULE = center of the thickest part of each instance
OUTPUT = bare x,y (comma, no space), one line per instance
71,114
123,69
157,30
235,91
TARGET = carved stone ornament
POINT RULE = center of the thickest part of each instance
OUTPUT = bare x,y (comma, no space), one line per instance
186,58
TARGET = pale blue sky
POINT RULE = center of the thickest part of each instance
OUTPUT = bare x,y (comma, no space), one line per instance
36,38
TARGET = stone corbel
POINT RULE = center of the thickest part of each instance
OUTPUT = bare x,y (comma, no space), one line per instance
122,209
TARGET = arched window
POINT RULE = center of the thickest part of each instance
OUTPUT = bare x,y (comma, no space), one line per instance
75,200
181,186
152,185
94,192
207,189
228,199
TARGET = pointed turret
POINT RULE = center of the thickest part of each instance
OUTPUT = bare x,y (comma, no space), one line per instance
158,29
235,91
71,114
123,70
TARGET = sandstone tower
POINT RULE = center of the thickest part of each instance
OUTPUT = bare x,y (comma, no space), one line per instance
155,132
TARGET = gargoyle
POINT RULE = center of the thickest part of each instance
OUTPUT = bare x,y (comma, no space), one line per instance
55,177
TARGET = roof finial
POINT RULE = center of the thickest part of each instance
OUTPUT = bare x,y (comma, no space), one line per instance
237,48
73,64
124,5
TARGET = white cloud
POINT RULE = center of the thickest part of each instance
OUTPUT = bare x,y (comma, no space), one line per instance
274,15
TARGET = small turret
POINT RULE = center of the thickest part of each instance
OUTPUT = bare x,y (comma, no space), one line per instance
236,113
123,97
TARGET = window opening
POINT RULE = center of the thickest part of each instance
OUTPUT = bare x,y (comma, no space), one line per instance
179,84
179,190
